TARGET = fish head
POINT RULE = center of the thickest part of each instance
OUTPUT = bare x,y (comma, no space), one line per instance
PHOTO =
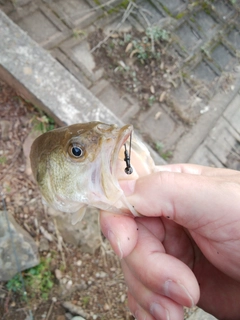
77,165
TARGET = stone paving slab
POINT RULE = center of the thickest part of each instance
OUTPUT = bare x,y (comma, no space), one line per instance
222,139
190,142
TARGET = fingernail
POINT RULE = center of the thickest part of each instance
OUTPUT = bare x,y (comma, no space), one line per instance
137,315
159,312
113,239
177,291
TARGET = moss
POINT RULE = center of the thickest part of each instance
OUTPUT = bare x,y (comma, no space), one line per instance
167,10
206,8
98,3
180,15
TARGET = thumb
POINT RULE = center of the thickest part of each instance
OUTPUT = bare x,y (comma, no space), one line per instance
191,200
121,231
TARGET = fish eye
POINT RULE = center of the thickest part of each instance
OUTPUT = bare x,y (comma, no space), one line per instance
76,151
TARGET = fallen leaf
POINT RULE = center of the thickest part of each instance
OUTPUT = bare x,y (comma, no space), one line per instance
152,89
158,115
162,96
114,35
128,47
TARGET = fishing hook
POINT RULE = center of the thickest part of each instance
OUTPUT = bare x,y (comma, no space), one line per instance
128,169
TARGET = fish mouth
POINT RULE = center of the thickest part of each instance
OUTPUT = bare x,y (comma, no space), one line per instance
124,134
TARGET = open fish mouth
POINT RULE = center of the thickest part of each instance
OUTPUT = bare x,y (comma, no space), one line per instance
123,137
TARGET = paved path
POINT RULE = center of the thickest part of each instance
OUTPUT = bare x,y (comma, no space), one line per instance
206,43
207,39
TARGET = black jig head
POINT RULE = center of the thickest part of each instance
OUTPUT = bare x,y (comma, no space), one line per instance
128,169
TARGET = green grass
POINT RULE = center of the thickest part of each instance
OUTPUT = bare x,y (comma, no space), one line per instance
166,155
43,123
38,281
3,159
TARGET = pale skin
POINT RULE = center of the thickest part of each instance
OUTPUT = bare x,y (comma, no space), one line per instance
185,250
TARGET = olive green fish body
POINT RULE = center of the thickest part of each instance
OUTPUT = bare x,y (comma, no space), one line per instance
79,165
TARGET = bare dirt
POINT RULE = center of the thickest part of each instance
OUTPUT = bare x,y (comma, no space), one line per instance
138,62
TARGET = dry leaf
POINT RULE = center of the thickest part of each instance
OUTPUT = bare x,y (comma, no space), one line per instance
114,35
162,96
129,47
133,53
152,89
158,115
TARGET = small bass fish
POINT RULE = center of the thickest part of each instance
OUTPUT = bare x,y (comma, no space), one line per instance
81,165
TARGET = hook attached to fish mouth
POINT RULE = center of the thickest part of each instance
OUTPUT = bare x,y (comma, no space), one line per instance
128,169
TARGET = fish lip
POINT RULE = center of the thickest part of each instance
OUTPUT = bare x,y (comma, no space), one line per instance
123,136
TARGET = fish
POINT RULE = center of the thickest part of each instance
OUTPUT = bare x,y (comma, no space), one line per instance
82,165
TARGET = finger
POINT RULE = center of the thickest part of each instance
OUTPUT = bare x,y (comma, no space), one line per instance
138,312
195,169
121,231
178,243
161,273
190,200
158,306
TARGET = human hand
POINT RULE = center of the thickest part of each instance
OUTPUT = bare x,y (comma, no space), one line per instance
186,245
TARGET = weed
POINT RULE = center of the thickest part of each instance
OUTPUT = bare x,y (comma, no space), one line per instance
3,159
151,100
143,47
85,301
127,37
15,284
38,280
164,154
157,33
43,123
77,33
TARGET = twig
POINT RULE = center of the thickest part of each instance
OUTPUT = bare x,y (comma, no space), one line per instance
60,241
49,311
126,14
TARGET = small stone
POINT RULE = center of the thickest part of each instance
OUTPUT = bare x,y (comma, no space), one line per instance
43,245
63,280
54,299
106,307
123,297
79,263
58,274
101,274
69,284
